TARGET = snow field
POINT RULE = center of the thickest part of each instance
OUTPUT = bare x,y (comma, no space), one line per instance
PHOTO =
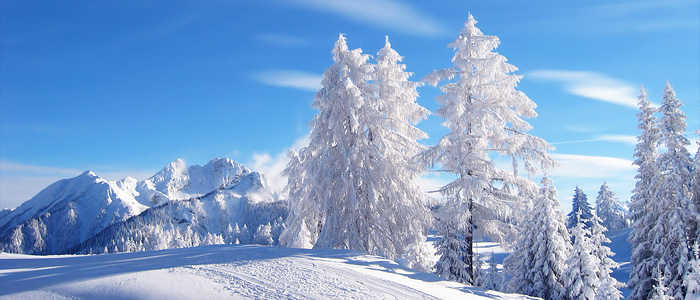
224,272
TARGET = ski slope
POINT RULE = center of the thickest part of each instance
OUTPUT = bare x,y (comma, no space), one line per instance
224,272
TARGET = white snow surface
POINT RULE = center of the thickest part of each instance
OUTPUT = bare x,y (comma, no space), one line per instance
224,272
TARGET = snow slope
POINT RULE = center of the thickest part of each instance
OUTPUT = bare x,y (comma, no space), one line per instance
224,272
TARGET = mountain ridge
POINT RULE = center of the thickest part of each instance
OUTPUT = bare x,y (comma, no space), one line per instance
70,211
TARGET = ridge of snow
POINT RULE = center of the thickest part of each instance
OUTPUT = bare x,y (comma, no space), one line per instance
226,272
76,209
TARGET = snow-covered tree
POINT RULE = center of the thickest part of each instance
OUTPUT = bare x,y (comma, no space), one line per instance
608,289
395,219
643,211
691,280
263,235
353,186
580,207
609,210
580,278
678,214
537,263
659,290
484,113
454,264
492,279
326,187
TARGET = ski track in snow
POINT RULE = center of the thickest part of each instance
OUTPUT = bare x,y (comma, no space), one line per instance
224,272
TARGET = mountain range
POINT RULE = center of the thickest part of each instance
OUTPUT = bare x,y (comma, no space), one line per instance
222,201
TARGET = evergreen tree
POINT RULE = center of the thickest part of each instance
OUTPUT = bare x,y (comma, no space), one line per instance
326,189
659,290
643,213
609,210
580,207
263,235
492,280
678,214
354,185
537,263
395,218
608,289
580,278
691,280
483,112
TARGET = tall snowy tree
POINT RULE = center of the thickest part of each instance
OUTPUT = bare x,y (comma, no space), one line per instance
396,218
580,207
581,277
483,112
609,210
608,289
354,186
674,231
327,190
537,263
659,290
643,212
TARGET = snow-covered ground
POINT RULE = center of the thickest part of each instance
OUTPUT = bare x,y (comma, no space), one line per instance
224,272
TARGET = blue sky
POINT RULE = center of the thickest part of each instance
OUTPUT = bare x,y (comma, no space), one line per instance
125,87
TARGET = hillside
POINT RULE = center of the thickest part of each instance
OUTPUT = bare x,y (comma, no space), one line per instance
224,272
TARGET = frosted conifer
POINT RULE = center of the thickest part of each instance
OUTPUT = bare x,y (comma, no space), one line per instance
580,207
691,280
643,214
326,189
483,112
608,289
537,263
580,278
678,214
609,210
395,219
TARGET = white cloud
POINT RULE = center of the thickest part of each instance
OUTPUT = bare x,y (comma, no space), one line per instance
385,13
592,167
291,79
618,138
272,167
592,85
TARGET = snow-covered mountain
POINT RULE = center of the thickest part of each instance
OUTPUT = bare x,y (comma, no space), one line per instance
71,211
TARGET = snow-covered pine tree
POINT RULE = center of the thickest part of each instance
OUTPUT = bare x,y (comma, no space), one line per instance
609,210
581,277
492,279
326,187
580,207
643,213
394,219
608,289
452,246
672,233
263,235
659,290
691,280
483,112
537,263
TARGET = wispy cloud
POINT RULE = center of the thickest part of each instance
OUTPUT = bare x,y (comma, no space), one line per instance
592,85
385,13
619,138
592,167
272,166
290,79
